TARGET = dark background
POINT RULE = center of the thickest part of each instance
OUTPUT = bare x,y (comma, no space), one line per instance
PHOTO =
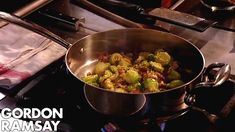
13,5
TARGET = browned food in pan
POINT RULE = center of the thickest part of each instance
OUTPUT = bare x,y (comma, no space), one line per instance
147,72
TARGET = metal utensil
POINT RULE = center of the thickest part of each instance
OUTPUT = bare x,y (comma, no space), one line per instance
138,14
63,20
34,27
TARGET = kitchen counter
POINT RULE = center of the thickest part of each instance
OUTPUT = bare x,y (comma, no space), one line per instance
93,23
217,45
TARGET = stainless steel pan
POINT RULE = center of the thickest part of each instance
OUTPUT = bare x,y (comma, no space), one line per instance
82,56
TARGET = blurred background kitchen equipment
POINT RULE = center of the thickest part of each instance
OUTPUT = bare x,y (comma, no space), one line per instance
225,18
22,8
219,5
160,103
55,87
138,14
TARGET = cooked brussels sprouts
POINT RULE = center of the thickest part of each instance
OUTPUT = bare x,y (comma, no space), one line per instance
145,63
132,76
175,83
151,85
114,76
156,66
173,75
163,58
139,59
107,74
101,67
150,72
108,84
125,62
151,57
113,68
115,58
120,90
133,87
91,78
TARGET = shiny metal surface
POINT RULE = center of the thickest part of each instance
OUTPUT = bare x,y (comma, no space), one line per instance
82,58
220,76
220,7
113,103
207,81
83,55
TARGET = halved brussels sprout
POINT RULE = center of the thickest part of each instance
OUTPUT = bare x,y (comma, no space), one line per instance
145,63
132,76
151,85
113,68
101,67
175,83
156,66
115,58
173,75
91,78
125,62
163,57
133,87
108,84
107,74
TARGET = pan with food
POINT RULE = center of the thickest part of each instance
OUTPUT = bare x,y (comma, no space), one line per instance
146,72
135,71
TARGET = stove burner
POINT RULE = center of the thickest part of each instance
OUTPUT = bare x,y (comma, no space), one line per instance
78,114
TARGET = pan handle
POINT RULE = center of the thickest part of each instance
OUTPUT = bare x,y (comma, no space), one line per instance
208,80
212,78
34,27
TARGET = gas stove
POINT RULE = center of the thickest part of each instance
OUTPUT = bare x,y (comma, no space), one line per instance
55,87
59,89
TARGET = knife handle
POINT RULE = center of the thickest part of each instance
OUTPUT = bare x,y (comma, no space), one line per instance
62,19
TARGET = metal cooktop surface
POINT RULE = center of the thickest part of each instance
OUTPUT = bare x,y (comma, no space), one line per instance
54,87
59,89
